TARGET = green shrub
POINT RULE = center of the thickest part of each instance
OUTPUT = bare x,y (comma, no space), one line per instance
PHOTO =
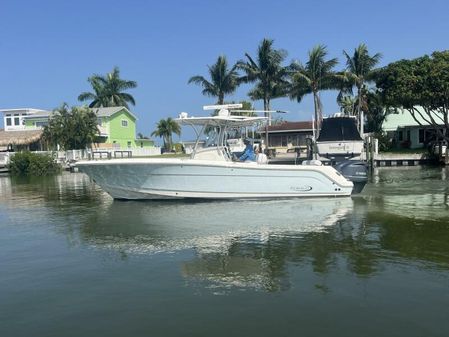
178,147
28,163
385,142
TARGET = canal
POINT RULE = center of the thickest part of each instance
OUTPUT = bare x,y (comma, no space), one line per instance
73,262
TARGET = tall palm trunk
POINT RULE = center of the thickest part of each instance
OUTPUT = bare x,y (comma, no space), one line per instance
359,109
318,114
359,100
220,98
266,107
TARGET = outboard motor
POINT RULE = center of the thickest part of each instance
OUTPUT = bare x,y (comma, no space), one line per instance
355,171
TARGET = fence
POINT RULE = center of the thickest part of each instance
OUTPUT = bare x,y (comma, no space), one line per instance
129,152
70,156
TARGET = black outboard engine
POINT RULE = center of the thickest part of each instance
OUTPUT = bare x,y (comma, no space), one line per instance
355,171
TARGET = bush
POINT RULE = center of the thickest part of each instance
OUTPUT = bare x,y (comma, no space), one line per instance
385,142
28,163
178,147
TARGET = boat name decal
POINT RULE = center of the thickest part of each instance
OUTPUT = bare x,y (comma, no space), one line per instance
301,188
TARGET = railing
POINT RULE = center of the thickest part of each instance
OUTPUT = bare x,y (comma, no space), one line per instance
123,154
100,153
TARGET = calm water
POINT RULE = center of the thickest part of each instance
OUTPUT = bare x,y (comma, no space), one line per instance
75,263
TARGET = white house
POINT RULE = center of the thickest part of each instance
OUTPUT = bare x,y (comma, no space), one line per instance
406,132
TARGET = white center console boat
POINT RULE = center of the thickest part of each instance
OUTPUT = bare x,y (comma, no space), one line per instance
211,173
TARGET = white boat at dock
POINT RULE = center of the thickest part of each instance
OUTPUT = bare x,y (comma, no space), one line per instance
211,173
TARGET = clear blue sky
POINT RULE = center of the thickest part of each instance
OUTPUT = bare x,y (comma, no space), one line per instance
50,48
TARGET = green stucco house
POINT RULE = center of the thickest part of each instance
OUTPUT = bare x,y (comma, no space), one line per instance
117,126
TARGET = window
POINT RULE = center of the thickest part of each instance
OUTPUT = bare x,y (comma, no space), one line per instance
129,145
408,135
8,121
141,144
401,136
16,121
124,123
421,136
284,141
41,124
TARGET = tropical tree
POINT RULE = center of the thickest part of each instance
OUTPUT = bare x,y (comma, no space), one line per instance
141,136
316,75
375,111
267,71
71,128
164,129
109,90
347,104
420,86
360,70
223,81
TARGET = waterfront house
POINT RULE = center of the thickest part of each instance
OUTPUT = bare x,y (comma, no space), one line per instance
15,135
117,126
288,136
406,132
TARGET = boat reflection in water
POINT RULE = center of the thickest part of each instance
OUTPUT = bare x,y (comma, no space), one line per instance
229,239
401,219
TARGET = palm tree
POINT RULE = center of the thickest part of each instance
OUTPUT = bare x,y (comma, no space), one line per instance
164,129
316,75
359,70
347,104
223,81
267,71
108,90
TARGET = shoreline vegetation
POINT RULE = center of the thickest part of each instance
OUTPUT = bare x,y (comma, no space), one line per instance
27,163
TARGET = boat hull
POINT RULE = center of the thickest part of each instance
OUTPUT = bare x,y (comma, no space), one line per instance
185,178
340,150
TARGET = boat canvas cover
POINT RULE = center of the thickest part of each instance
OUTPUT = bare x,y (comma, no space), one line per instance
339,129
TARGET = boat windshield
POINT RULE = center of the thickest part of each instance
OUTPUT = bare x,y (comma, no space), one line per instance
212,137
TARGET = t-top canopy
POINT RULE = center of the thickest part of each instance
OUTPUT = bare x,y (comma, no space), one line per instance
339,129
229,121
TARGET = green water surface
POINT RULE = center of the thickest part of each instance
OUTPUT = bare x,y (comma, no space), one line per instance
73,262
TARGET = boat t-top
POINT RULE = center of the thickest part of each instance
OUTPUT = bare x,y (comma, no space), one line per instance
211,171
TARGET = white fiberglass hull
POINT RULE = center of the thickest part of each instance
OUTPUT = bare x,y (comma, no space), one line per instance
187,178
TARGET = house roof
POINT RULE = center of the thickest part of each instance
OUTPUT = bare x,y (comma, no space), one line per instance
290,127
101,112
21,137
107,112
405,119
27,110
41,113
